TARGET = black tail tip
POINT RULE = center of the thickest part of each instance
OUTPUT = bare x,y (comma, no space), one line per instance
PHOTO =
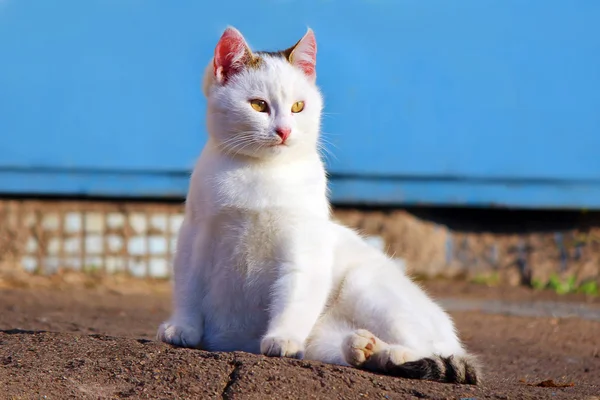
453,369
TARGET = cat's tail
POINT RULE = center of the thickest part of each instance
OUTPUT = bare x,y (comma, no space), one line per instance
454,369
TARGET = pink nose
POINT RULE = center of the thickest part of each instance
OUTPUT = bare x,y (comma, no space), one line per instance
283,133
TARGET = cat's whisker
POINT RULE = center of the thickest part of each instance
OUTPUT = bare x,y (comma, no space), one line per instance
238,150
327,152
325,140
231,146
236,139
330,114
328,156
329,134
232,149
323,149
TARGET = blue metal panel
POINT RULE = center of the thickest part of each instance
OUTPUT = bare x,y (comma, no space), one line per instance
462,192
467,102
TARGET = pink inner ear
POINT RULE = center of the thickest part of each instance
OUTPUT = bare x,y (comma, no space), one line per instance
230,54
304,55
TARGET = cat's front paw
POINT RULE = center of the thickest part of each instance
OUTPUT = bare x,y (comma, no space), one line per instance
274,346
179,335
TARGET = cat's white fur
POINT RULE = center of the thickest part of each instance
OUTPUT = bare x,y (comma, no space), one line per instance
260,266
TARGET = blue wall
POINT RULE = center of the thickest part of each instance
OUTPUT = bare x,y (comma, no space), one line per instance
466,102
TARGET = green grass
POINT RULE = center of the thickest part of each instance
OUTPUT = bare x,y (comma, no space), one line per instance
567,285
589,288
492,279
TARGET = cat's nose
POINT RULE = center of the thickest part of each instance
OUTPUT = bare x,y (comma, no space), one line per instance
283,133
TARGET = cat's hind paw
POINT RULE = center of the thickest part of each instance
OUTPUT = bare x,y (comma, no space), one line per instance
365,350
273,346
179,335
360,345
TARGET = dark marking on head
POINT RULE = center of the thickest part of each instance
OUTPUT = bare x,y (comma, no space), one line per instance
256,59
285,54
253,61
277,54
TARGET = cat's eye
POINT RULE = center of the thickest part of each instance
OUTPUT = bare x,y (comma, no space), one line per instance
297,106
259,105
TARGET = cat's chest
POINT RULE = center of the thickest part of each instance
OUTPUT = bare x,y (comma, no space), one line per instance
258,191
219,182
248,240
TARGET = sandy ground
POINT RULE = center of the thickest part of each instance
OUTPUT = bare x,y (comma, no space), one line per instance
94,341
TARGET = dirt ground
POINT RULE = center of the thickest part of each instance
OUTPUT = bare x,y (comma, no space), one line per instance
89,341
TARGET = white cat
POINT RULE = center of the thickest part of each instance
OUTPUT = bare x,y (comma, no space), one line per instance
260,266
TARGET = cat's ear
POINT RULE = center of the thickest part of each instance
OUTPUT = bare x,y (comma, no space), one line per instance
231,54
304,54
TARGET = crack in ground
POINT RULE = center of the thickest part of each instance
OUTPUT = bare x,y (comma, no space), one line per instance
18,331
233,378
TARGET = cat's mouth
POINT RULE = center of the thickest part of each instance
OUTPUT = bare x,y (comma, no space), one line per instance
280,144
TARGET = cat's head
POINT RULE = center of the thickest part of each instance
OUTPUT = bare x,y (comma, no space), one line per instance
263,104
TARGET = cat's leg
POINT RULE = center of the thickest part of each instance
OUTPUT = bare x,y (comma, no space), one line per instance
184,328
324,342
336,341
301,288
404,333
362,349
381,299
400,330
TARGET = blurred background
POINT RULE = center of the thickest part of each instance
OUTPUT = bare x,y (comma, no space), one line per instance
462,137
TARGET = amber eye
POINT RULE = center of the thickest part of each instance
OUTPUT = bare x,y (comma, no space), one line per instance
298,106
259,105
